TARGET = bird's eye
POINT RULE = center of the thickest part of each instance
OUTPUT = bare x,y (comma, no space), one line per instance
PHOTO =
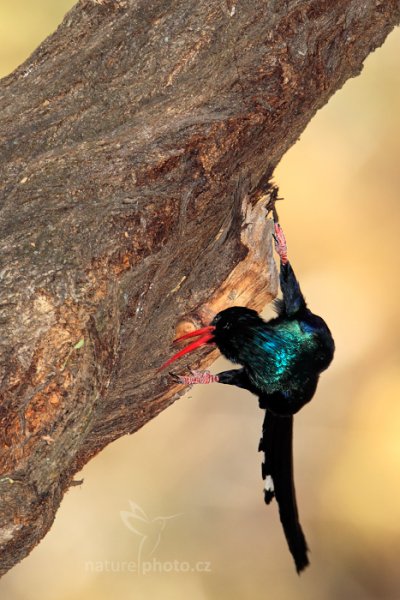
216,319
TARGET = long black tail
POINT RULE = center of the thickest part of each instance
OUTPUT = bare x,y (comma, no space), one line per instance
277,472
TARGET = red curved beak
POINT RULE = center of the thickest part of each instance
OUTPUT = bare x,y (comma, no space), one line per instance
207,335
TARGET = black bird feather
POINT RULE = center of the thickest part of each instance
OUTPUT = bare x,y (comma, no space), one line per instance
281,361
276,443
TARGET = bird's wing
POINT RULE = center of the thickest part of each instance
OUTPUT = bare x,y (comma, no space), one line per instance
277,472
274,354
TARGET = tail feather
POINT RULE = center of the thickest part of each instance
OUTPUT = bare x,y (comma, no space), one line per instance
277,472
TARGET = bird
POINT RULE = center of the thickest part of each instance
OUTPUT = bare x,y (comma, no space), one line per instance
280,362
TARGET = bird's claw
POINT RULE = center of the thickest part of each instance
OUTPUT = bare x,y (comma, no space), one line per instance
270,207
175,378
280,243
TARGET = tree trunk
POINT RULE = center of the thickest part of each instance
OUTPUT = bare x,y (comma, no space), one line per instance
136,148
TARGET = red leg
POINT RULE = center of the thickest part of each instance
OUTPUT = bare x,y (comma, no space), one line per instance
280,243
197,377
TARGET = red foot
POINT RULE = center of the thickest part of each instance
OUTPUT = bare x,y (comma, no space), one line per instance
198,377
280,243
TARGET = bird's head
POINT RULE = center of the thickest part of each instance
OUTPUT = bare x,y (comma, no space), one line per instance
232,318
225,326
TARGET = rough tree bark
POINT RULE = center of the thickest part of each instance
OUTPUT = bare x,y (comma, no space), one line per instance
136,144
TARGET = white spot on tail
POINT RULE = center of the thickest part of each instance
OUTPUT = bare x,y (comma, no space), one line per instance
269,484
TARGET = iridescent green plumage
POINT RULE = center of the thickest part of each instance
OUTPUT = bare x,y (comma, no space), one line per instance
283,356
274,353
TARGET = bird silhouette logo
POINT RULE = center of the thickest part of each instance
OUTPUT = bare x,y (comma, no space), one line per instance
149,530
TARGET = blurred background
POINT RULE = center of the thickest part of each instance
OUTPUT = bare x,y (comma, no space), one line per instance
176,510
